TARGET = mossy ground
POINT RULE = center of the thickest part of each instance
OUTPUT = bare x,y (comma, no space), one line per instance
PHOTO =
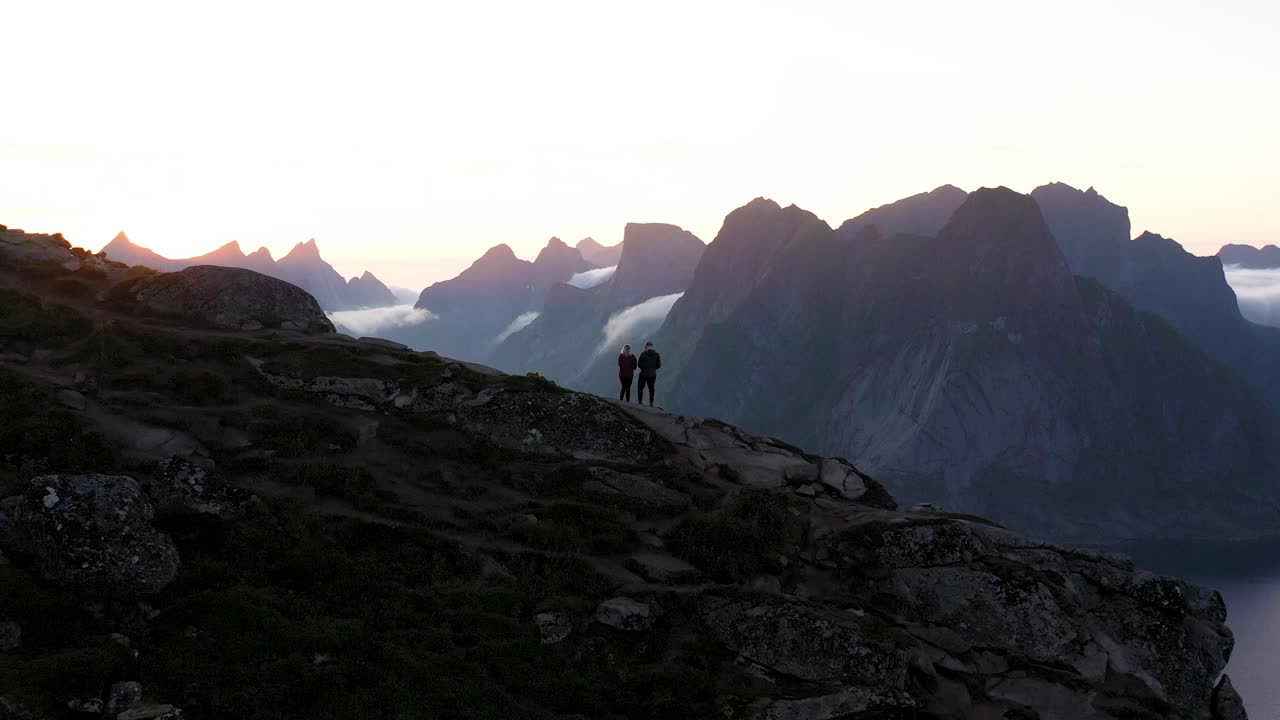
356,604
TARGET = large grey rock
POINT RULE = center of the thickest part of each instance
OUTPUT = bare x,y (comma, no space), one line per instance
19,249
227,297
91,533
553,626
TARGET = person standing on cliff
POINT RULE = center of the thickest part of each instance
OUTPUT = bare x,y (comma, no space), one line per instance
649,363
626,372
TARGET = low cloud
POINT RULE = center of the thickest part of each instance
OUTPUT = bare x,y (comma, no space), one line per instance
632,324
521,322
592,278
1257,292
376,321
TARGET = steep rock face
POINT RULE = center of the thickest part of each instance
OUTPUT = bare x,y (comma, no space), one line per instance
597,254
1158,276
733,264
227,297
657,259
1248,256
973,370
921,214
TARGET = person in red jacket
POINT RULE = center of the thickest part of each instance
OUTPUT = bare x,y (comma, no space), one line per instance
626,372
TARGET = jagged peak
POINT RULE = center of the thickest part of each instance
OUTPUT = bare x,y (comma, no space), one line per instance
308,250
121,239
262,252
590,243
501,251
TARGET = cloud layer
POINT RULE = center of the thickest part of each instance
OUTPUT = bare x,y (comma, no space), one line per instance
521,322
633,324
592,278
376,321
1258,292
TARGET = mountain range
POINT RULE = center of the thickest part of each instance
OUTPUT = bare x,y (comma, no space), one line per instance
303,267
571,338
1248,256
1013,355
214,506
971,369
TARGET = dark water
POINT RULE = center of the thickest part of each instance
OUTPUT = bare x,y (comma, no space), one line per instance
1248,575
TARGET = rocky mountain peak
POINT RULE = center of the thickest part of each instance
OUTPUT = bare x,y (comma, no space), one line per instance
921,214
303,251
597,254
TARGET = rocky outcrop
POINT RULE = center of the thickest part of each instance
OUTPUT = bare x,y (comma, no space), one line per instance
91,533
1227,704
227,297
180,486
36,250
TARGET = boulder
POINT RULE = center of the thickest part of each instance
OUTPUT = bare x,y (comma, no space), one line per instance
553,626
122,696
20,249
626,614
180,486
227,297
90,533
842,478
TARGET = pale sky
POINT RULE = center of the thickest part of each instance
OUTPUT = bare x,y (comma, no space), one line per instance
408,136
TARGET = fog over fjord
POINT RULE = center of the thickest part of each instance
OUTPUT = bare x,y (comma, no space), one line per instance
1257,292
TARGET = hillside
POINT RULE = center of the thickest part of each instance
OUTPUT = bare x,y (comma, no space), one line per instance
270,523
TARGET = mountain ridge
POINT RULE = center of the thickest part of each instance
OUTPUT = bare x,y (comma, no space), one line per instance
303,266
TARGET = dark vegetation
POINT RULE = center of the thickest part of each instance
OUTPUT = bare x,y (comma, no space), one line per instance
362,610
741,539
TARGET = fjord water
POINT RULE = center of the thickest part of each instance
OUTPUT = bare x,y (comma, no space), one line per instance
1248,576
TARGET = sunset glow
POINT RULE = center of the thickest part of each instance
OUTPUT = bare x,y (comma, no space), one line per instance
409,137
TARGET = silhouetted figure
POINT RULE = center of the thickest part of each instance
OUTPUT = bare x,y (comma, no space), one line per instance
626,372
649,363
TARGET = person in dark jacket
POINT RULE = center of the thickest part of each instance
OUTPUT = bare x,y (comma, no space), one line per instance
626,372
648,363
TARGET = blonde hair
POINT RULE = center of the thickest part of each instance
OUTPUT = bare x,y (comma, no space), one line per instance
625,348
